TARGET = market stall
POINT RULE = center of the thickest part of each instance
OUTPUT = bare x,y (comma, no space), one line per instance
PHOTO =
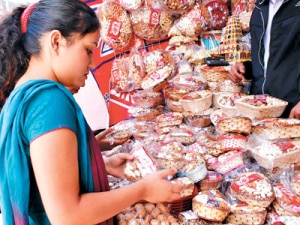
163,69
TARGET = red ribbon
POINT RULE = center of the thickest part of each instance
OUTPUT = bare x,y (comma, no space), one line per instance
25,16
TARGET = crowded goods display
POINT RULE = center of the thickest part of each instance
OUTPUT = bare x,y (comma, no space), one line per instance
237,158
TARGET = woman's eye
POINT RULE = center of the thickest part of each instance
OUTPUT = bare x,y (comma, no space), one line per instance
89,52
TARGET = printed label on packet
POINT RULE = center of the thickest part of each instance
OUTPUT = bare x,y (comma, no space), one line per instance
260,98
245,180
114,28
284,145
214,177
116,75
212,200
154,17
294,201
145,163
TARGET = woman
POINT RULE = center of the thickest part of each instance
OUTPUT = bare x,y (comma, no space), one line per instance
52,170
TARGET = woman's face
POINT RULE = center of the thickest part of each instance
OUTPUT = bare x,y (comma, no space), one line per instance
76,60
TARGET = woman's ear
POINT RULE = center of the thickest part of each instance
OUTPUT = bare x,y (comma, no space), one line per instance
55,39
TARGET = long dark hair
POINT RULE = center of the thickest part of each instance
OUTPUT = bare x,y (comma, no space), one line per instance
16,48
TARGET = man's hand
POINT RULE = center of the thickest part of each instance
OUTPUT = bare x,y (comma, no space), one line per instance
236,72
295,112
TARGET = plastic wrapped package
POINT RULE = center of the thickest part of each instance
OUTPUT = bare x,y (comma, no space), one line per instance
258,107
243,9
286,202
211,205
246,214
136,68
271,154
172,96
168,154
116,30
173,6
193,22
277,128
192,82
184,135
197,101
119,79
147,98
200,119
142,164
160,67
151,24
145,114
131,4
196,170
228,161
196,54
122,130
219,14
253,188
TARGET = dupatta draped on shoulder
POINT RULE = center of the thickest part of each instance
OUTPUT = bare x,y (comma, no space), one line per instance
15,163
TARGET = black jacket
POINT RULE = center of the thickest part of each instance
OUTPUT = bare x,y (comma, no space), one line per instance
282,78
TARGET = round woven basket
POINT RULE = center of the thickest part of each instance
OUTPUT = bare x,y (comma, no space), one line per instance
232,162
183,204
237,124
253,218
280,210
197,105
274,108
210,207
196,174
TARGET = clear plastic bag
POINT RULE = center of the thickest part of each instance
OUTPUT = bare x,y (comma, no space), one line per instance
116,29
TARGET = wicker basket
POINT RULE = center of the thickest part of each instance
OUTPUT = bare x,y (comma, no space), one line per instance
212,180
209,205
273,108
196,174
174,106
233,142
229,86
229,110
238,124
280,210
295,184
230,162
214,74
247,218
183,204
226,102
268,162
253,188
277,128
199,104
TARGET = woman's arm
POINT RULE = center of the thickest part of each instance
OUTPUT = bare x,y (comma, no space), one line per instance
55,165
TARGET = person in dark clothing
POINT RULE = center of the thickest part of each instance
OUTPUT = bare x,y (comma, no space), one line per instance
275,52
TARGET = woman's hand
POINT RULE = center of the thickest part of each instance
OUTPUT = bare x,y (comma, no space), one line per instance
159,189
236,72
115,164
106,143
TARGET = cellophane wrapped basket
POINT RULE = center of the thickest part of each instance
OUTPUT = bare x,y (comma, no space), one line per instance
253,107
